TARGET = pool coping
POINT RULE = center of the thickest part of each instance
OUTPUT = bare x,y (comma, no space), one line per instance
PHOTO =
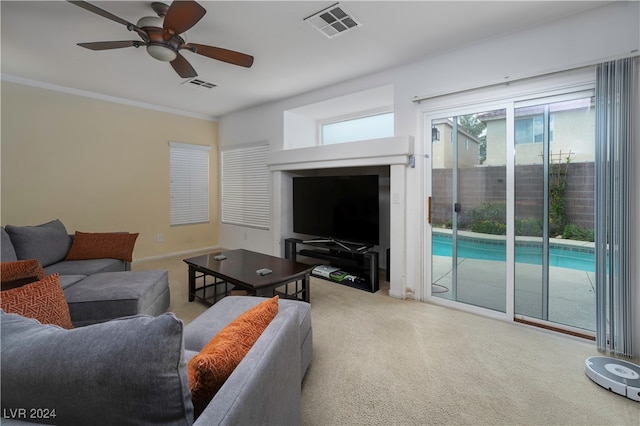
571,245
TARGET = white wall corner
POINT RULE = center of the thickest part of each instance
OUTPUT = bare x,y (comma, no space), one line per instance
398,232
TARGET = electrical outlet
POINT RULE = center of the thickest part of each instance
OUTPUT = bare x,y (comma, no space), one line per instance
159,238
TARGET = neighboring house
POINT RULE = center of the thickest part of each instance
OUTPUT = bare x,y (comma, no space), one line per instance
442,148
569,136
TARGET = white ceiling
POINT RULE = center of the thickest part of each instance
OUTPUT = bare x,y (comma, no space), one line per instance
291,57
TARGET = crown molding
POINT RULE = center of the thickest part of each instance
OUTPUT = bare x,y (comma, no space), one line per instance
84,93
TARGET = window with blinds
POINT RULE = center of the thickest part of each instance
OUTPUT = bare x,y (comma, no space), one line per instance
245,188
189,175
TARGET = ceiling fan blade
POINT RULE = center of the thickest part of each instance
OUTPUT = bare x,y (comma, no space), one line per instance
159,8
105,45
101,12
183,67
225,55
183,15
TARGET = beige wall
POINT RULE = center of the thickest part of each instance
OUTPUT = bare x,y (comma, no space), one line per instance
98,166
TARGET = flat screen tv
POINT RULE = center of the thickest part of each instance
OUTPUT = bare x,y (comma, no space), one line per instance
343,208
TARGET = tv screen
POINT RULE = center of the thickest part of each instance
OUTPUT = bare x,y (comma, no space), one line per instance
344,208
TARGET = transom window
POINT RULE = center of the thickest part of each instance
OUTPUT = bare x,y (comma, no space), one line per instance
357,129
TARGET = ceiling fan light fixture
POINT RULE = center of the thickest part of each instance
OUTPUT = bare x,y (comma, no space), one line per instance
164,37
161,52
150,21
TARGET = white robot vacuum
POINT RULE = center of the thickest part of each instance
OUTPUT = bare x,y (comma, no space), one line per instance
618,376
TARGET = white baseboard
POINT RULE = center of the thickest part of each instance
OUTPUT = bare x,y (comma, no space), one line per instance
177,253
397,295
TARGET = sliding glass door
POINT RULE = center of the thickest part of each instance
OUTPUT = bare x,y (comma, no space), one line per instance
511,209
554,209
468,209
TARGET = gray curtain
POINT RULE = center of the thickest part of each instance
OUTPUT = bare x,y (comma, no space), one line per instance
615,117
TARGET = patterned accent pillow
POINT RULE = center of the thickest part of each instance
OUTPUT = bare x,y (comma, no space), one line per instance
210,368
42,300
112,245
21,272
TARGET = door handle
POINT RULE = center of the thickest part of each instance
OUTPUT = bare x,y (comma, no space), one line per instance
428,209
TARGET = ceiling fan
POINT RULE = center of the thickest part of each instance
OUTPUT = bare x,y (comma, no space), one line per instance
163,36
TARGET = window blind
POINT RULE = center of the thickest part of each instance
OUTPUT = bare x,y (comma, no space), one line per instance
189,175
615,114
246,198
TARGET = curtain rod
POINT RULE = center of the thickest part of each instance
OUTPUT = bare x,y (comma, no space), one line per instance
419,99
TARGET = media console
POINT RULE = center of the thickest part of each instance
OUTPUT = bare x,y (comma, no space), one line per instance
347,257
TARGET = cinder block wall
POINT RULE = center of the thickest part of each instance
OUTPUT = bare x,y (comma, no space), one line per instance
486,184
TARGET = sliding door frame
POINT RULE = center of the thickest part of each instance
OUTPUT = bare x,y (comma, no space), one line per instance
459,110
466,102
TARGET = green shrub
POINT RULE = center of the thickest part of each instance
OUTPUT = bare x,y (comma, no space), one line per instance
529,226
490,210
489,218
489,227
574,232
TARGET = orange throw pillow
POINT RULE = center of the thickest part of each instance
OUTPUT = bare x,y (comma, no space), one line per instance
112,245
216,361
20,272
42,300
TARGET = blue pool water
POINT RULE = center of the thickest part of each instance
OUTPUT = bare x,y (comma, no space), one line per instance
562,256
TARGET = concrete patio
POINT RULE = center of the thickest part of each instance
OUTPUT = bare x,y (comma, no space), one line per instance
482,283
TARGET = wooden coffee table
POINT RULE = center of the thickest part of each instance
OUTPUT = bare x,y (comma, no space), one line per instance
219,278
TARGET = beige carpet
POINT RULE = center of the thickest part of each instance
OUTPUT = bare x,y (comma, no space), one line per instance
382,361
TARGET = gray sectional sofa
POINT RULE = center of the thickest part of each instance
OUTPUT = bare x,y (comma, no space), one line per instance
126,367
133,370
96,290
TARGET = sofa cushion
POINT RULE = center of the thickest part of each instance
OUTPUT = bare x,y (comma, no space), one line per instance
105,296
86,267
206,325
126,371
42,300
49,242
20,272
112,245
265,377
69,280
216,361
8,252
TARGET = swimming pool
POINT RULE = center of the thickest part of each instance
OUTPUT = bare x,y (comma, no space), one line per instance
560,255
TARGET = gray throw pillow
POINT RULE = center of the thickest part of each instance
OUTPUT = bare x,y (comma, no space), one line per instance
8,253
126,371
49,242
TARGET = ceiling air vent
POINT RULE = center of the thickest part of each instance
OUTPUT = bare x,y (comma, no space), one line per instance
201,83
333,21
